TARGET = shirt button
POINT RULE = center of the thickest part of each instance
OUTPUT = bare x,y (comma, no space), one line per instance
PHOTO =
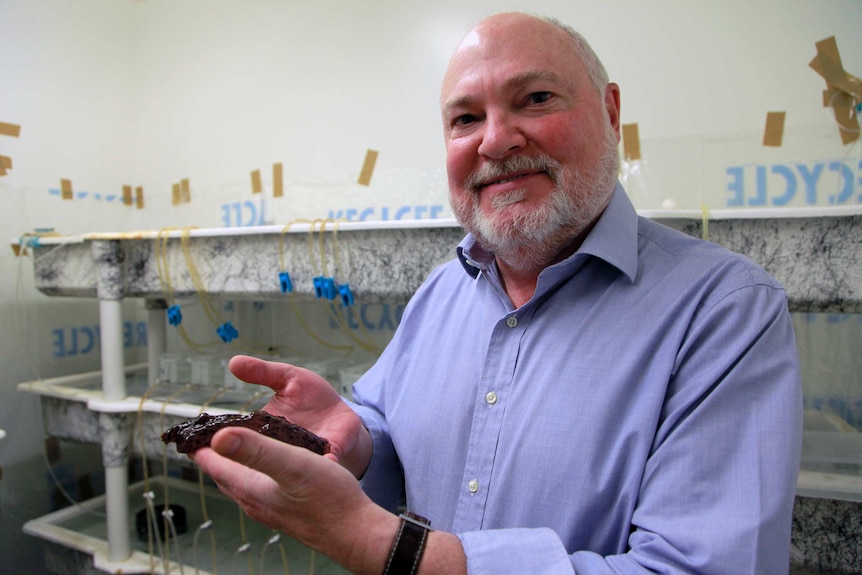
491,398
473,486
512,321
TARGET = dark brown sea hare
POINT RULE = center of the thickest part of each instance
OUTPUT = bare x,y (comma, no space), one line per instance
193,434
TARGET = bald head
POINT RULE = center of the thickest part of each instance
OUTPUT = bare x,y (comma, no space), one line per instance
521,28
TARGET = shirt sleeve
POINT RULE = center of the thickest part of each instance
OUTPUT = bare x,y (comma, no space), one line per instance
717,491
718,488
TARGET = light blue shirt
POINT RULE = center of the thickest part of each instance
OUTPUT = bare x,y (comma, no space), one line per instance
641,413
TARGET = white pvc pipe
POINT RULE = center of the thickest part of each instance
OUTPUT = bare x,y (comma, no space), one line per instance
114,389
117,509
113,367
156,342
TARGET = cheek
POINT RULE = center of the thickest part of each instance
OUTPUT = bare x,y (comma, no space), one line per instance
566,139
460,160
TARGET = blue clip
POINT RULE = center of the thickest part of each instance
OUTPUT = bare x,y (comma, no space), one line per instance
346,295
29,241
329,291
175,316
227,332
318,286
859,108
284,280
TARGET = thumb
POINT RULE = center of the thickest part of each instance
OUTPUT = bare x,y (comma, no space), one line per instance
265,454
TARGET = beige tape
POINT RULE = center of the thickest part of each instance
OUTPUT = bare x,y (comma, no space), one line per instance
256,184
843,90
367,168
176,194
773,133
186,192
127,195
66,189
139,197
631,142
277,180
10,129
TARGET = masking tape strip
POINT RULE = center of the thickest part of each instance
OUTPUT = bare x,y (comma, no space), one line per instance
367,168
631,142
185,187
6,162
175,194
829,48
66,189
827,63
773,133
277,180
10,129
256,185
843,89
127,195
139,197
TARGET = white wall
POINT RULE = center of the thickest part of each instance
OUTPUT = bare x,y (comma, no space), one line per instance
148,92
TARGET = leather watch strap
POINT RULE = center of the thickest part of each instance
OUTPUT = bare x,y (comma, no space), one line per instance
408,545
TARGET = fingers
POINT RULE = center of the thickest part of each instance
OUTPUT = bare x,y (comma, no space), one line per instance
253,370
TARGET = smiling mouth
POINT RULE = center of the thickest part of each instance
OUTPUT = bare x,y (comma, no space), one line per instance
510,179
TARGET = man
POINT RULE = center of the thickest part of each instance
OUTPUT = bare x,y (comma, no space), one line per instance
580,391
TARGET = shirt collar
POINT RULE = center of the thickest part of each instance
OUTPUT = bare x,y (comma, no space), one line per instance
613,239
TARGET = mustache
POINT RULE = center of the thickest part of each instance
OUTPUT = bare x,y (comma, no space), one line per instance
501,169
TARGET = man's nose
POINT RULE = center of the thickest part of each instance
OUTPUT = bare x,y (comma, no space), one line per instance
501,136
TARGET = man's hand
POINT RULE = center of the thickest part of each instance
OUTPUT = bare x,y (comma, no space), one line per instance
302,494
307,399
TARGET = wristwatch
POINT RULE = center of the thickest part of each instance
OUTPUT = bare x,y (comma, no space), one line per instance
408,545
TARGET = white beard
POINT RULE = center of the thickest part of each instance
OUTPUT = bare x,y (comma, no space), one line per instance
526,239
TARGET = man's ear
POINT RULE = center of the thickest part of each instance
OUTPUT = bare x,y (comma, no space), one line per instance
612,105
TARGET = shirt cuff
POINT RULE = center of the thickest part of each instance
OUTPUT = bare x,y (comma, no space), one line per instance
515,551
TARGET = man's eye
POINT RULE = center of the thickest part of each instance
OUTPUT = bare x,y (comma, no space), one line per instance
464,120
539,97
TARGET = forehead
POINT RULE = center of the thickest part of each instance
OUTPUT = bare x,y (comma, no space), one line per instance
497,54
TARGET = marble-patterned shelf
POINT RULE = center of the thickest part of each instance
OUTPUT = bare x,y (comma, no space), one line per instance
818,259
377,264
